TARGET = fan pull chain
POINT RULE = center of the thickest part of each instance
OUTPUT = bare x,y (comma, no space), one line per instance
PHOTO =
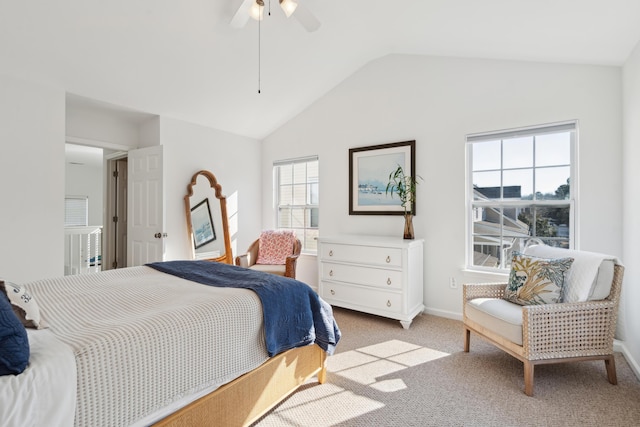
259,55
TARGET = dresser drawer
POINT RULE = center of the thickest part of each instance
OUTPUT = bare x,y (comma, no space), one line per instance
350,295
369,255
378,277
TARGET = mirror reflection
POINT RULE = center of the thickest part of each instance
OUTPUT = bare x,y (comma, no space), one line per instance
206,215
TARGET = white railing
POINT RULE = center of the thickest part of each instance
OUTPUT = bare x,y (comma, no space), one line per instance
82,250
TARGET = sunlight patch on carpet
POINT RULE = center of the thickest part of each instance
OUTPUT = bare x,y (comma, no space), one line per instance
303,405
418,356
365,365
374,366
389,386
368,373
388,348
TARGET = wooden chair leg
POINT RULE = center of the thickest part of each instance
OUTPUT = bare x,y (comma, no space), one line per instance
528,378
610,364
467,338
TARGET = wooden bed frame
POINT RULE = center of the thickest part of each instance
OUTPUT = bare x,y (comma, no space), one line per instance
247,398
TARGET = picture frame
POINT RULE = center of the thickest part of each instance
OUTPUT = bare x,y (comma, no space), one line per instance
369,169
202,224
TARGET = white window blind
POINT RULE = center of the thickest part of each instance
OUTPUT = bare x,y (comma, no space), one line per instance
76,211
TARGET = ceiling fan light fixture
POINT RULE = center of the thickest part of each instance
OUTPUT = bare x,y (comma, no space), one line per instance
288,6
257,9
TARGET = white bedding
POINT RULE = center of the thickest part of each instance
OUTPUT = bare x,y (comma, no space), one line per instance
145,341
45,393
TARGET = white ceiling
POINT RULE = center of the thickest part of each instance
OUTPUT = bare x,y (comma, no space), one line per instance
182,59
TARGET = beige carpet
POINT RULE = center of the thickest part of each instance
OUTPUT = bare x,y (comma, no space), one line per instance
383,375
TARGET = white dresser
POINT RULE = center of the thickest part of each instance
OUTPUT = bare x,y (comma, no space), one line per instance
374,274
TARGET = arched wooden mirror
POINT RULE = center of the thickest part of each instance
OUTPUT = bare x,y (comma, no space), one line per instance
207,222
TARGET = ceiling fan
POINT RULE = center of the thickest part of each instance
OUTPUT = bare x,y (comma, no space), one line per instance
255,8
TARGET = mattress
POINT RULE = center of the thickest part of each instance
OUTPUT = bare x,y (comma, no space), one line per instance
145,341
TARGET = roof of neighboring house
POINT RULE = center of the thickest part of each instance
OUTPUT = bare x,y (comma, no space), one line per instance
484,260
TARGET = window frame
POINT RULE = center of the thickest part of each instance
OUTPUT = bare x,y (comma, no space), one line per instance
471,204
301,232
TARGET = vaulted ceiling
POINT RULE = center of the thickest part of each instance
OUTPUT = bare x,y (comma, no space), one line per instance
182,59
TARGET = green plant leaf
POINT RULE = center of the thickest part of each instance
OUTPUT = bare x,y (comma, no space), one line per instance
404,186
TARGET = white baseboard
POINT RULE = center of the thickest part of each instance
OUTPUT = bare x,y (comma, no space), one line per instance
622,348
443,313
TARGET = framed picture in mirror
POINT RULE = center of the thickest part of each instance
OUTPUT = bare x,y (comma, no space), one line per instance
203,231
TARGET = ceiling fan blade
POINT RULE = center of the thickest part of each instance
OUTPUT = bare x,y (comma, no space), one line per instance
241,16
306,18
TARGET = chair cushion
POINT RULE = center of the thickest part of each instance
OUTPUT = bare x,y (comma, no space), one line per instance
535,280
590,276
497,315
275,246
278,269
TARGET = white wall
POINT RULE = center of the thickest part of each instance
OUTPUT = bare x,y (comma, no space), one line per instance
233,159
187,148
95,121
437,101
631,196
33,130
32,157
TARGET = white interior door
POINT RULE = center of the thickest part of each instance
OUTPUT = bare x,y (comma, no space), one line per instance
145,205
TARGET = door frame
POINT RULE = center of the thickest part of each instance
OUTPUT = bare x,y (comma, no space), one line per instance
110,192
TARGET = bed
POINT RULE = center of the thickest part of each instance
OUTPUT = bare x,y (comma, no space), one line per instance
144,346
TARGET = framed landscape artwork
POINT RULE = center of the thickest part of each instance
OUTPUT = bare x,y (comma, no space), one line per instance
369,170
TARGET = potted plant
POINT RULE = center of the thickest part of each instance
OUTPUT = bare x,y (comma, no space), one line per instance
405,187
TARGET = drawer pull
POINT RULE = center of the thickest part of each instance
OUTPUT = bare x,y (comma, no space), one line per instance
388,303
388,280
388,259
333,292
331,273
330,253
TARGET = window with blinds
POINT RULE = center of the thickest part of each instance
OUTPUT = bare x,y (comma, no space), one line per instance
76,211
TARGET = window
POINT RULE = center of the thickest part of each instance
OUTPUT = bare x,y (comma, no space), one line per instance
296,197
76,211
520,185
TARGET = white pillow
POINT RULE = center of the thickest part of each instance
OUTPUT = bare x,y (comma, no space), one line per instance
590,276
24,305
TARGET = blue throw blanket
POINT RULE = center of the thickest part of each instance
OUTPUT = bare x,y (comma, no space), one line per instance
294,314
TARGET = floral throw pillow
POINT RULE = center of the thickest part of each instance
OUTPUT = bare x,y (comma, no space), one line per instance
275,246
536,280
